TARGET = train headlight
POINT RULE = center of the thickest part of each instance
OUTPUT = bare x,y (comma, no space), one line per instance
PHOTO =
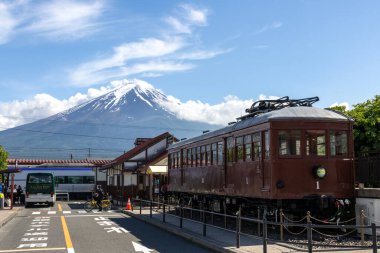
320,172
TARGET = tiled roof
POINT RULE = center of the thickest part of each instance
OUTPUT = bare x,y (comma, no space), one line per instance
143,146
12,161
157,158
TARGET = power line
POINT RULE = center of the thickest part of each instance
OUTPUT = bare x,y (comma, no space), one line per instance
67,134
104,124
63,149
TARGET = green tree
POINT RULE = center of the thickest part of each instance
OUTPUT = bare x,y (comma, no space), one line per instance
3,158
366,125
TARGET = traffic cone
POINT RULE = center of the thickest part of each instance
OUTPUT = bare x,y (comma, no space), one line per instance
129,206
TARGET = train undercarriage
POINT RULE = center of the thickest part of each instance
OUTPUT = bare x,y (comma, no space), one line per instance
322,207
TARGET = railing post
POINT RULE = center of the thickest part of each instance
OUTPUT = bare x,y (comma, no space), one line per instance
151,209
140,206
265,235
238,223
258,223
309,238
362,228
180,217
204,222
163,215
374,238
281,225
225,214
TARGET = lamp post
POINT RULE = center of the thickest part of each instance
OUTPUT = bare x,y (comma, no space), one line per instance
12,187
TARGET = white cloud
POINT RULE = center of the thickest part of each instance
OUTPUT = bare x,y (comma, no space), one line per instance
115,65
194,15
345,104
202,55
272,26
178,26
44,105
220,114
41,106
150,56
65,19
57,20
187,18
7,23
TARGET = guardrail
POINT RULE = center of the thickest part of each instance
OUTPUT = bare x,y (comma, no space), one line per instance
207,219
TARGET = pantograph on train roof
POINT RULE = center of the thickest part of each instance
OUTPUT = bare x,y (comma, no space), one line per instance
267,105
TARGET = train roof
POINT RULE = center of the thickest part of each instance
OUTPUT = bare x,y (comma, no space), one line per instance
289,113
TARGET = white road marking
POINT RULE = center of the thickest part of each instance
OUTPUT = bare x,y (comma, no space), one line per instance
92,215
66,212
52,212
31,249
140,248
35,213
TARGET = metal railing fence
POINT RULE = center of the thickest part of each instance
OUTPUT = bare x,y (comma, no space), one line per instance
233,224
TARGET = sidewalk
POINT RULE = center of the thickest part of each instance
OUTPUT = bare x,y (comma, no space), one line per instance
6,214
219,240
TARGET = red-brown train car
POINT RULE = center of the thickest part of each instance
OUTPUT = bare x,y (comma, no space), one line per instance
283,154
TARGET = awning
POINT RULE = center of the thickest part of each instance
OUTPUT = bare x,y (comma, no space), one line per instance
156,169
10,171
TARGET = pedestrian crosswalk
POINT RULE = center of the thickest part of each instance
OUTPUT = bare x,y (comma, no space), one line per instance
71,212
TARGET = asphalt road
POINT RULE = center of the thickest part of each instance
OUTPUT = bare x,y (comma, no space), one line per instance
68,228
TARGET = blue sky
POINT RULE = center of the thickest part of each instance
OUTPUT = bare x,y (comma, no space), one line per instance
56,54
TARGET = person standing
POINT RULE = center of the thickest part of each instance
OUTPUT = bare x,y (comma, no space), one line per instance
99,198
19,193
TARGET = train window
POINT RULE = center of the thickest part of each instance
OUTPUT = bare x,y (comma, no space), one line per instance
59,179
239,148
220,153
194,157
88,179
247,147
213,153
315,142
230,149
203,155
208,155
189,158
338,143
256,141
173,160
74,180
289,142
267,144
184,158
198,156
170,162
178,160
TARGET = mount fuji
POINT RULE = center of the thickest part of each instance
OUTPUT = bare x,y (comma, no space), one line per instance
101,128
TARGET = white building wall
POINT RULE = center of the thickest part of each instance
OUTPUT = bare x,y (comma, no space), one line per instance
130,179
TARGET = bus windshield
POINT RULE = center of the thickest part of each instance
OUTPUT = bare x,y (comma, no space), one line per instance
40,183
40,179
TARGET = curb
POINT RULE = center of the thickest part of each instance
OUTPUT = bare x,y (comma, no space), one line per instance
181,233
9,218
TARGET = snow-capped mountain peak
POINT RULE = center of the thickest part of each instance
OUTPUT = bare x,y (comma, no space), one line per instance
130,96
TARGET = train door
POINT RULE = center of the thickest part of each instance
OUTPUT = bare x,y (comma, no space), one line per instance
264,163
